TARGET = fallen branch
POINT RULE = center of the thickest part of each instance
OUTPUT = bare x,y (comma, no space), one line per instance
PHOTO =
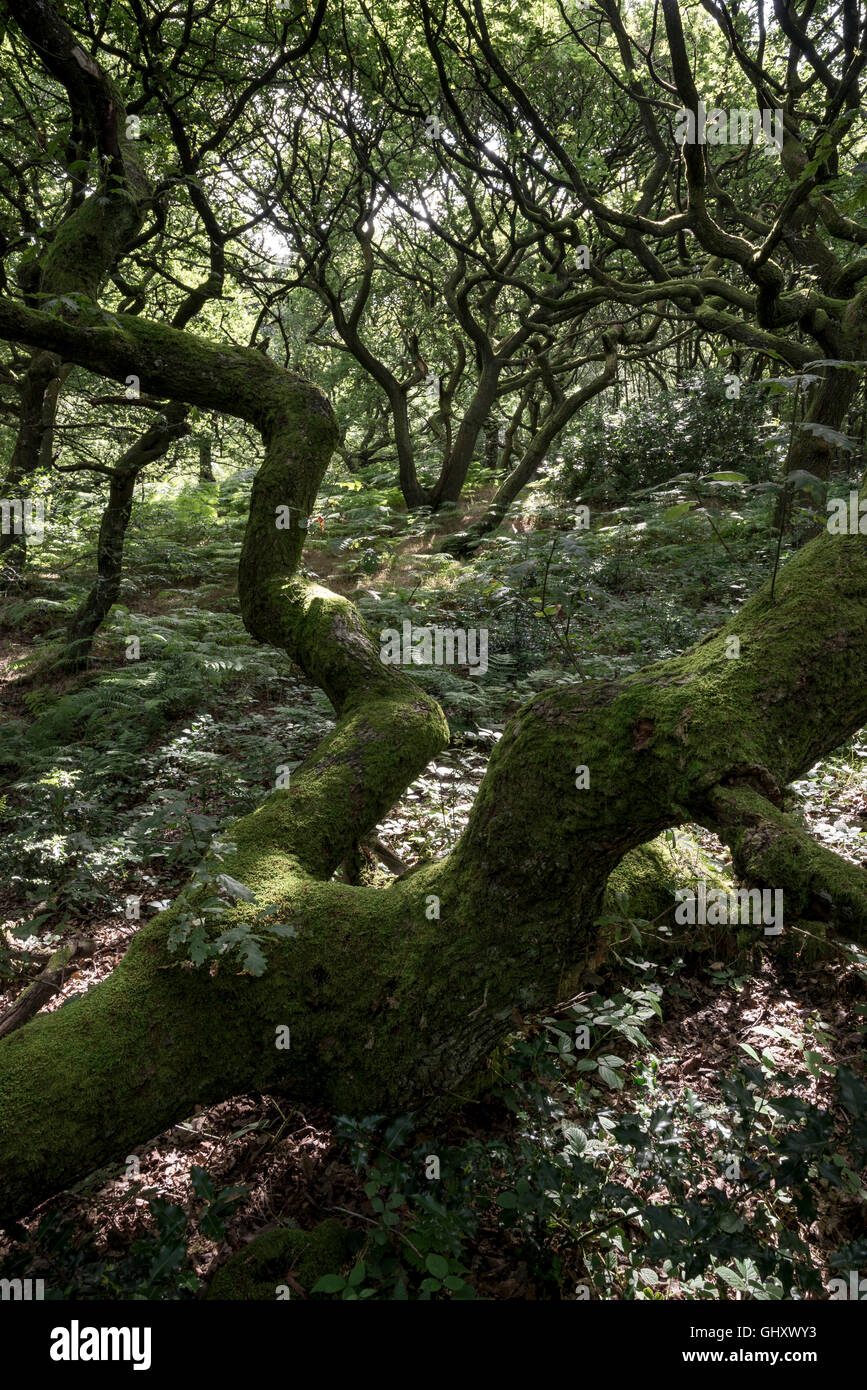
46,985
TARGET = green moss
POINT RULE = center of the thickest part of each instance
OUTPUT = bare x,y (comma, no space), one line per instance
770,847
86,243
642,884
255,1273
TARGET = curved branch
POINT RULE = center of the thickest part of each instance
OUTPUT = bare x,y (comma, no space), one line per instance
770,849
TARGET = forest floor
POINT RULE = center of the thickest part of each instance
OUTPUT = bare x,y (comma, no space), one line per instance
554,1183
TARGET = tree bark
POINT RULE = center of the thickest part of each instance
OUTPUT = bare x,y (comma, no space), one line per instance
45,986
94,609
39,389
206,467
453,473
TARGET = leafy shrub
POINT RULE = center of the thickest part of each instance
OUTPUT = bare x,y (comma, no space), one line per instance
157,1265
603,1198
695,426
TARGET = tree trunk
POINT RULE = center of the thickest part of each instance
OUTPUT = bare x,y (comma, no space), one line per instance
95,608
40,388
206,467
86,243
453,474
414,494
828,407
492,443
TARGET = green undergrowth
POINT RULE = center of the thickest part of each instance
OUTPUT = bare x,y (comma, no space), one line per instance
126,776
155,1267
580,1172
